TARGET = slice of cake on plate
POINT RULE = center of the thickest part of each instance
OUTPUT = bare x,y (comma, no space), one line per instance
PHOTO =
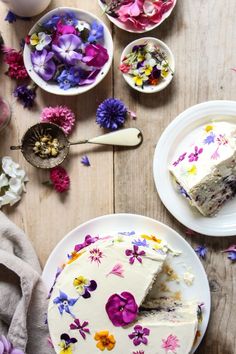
205,172
96,301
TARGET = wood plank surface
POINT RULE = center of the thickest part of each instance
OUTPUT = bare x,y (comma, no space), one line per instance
202,37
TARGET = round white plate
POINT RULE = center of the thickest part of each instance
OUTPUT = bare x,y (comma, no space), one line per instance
117,223
224,223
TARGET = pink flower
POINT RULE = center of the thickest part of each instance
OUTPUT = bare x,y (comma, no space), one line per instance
87,241
60,115
122,309
117,270
124,68
14,59
60,179
132,9
65,29
95,55
195,155
171,343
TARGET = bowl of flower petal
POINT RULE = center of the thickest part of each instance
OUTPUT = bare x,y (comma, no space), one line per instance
147,65
137,16
68,51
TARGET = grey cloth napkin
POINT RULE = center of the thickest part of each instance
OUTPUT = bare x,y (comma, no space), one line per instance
23,303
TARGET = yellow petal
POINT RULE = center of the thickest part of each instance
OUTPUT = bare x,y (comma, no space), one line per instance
100,346
208,128
34,39
192,170
100,334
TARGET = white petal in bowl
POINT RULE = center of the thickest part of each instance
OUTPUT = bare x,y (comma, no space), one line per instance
171,60
52,87
9,166
123,26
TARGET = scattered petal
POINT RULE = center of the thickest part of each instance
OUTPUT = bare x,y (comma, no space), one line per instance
85,161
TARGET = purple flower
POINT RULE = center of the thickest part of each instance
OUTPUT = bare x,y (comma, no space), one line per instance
11,17
84,286
201,251
87,241
127,233
64,303
135,254
66,342
43,64
85,160
111,114
139,335
81,327
7,348
139,242
96,32
195,155
184,192
231,252
25,95
51,22
209,139
122,309
70,18
95,55
66,48
181,158
69,78
58,272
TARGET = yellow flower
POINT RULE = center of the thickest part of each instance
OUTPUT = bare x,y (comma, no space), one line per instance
164,73
148,69
208,128
34,39
65,348
79,283
151,238
138,80
141,57
105,340
192,170
74,255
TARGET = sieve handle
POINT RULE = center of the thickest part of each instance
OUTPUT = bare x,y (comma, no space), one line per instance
16,147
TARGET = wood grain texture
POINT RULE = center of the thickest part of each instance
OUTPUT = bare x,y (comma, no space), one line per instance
202,37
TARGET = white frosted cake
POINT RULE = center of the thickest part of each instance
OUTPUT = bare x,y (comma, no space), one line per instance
205,172
97,303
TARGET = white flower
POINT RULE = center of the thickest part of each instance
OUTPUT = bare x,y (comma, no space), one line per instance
81,25
14,178
43,40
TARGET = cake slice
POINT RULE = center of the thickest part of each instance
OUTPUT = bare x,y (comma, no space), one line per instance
96,300
205,173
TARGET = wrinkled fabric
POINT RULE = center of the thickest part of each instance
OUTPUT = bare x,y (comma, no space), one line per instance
23,303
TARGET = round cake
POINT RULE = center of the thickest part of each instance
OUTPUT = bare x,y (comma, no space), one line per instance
98,301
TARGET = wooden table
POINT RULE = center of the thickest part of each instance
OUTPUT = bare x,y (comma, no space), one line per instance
202,36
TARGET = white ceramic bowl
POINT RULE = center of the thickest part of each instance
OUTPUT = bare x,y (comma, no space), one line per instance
125,28
164,82
53,87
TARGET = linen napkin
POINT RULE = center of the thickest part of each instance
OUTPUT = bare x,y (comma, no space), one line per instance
23,303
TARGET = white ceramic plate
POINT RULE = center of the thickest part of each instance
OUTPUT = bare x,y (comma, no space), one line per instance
111,224
224,224
171,60
125,28
53,87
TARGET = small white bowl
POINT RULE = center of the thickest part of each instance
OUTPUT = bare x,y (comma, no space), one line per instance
53,87
171,60
124,27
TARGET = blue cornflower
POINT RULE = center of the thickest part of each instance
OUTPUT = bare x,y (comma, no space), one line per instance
209,139
85,160
51,22
111,114
69,78
11,17
96,32
70,18
64,303
141,243
232,256
25,95
201,251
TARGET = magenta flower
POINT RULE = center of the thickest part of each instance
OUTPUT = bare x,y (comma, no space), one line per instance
95,55
117,270
122,309
139,335
87,241
65,29
7,348
60,115
135,254
81,327
43,64
195,155
66,48
171,343
180,159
